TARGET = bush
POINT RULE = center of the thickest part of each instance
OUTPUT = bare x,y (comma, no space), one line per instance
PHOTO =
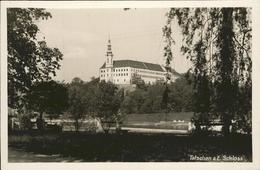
26,123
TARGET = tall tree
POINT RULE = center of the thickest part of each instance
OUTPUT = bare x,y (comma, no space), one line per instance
218,42
29,59
107,104
77,101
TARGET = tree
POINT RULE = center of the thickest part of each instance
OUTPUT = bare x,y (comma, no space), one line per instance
128,105
152,99
107,104
138,81
94,99
29,60
77,101
134,101
48,97
218,43
181,94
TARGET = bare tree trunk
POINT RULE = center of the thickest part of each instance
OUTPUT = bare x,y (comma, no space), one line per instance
40,122
76,124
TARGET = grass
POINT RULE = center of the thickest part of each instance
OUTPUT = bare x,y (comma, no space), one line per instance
153,120
131,147
157,117
163,125
157,120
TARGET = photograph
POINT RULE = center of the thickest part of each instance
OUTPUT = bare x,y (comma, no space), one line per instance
131,84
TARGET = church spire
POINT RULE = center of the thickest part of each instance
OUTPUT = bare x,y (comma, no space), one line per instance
109,48
109,55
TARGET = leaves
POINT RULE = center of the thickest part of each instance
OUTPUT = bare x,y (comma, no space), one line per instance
29,60
49,97
218,43
94,99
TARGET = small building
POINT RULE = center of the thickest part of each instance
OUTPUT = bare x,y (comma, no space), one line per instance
124,72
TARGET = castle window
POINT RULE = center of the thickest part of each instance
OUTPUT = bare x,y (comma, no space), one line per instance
124,80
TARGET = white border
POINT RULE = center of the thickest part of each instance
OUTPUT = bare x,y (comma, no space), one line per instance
133,4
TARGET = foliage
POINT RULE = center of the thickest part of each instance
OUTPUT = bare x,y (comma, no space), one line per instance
107,104
138,81
99,100
29,59
218,43
48,97
77,101
181,95
26,123
151,99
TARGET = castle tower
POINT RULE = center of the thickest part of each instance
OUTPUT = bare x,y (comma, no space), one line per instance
109,55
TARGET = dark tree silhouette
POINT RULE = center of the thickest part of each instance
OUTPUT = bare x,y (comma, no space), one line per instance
48,97
218,43
29,59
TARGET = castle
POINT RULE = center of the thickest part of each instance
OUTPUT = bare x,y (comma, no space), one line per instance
124,72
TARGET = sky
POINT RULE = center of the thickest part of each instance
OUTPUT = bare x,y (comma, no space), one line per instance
82,35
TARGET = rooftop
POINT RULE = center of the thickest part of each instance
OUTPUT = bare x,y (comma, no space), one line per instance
135,64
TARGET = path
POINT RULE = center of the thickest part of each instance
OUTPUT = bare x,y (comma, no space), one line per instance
16,155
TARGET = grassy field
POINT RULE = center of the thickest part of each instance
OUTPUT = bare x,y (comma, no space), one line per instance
176,121
131,146
157,117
